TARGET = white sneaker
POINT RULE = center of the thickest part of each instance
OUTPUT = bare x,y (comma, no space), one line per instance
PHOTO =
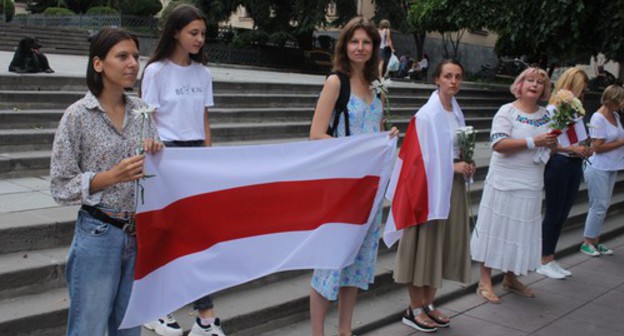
213,329
165,326
561,269
550,271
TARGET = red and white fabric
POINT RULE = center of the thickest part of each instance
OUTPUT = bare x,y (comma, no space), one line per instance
420,186
217,217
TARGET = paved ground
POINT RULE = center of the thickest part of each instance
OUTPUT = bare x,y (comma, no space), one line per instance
591,302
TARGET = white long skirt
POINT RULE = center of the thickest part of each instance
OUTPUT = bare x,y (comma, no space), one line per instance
508,233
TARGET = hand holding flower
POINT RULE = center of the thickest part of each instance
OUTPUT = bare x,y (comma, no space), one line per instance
394,132
545,140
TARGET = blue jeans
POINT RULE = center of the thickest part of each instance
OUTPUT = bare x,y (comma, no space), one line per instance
99,272
562,178
600,185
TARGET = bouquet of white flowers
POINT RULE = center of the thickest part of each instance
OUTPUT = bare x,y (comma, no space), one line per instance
466,140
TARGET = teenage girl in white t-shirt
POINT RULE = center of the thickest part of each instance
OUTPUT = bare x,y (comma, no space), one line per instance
607,137
177,83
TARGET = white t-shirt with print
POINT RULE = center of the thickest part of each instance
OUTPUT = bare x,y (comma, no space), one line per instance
601,128
180,95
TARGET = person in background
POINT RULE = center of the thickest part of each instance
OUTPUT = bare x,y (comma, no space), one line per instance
179,85
507,235
562,178
600,174
386,47
95,163
356,56
438,249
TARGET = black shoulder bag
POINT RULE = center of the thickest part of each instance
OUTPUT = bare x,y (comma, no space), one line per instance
341,105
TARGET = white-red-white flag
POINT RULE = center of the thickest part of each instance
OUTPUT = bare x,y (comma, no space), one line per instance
214,218
420,186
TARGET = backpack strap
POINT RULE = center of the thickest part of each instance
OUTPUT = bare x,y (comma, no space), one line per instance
341,105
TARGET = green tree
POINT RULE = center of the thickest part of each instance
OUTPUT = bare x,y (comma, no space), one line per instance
39,6
139,7
7,13
450,18
571,30
81,6
282,20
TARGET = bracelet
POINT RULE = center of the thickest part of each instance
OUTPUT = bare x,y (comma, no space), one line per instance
530,142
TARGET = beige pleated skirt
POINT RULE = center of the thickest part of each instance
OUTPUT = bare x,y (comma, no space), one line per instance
437,249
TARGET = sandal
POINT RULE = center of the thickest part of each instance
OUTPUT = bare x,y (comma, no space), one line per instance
487,294
515,286
426,325
440,319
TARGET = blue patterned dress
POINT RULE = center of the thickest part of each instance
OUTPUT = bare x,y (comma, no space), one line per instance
363,119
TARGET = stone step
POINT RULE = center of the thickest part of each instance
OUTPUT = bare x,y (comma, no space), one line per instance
376,310
17,99
478,117
30,272
29,163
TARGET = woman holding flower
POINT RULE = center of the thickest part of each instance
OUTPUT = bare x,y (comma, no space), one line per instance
608,142
95,163
431,251
507,235
356,56
563,172
179,85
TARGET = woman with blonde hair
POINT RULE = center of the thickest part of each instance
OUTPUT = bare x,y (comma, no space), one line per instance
562,178
607,137
507,235
356,56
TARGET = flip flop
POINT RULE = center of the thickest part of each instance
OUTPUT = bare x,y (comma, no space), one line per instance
487,295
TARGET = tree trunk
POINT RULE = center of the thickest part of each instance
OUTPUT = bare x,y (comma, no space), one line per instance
419,38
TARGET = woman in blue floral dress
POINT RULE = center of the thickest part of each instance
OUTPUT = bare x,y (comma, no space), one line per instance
356,56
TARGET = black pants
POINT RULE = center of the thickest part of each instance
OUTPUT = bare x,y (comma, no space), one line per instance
562,178
206,301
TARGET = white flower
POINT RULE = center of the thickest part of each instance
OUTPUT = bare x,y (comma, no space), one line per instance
381,85
468,130
143,112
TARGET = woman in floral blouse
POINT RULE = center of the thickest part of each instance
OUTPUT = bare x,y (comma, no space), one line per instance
507,235
95,163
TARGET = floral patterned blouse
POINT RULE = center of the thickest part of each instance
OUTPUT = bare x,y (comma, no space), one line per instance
87,143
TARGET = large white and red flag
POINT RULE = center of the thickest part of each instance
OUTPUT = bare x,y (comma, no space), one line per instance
213,218
420,186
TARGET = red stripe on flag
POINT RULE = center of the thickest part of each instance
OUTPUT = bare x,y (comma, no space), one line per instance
198,222
410,205
571,132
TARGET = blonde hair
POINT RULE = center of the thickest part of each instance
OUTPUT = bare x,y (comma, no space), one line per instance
613,94
573,79
531,72
384,24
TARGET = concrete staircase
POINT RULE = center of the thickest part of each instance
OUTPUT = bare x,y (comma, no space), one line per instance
34,242
57,40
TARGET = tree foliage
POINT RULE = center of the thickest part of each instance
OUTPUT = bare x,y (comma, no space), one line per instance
450,18
7,12
39,6
394,11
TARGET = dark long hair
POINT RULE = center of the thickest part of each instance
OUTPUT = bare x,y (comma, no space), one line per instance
341,59
177,20
101,44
